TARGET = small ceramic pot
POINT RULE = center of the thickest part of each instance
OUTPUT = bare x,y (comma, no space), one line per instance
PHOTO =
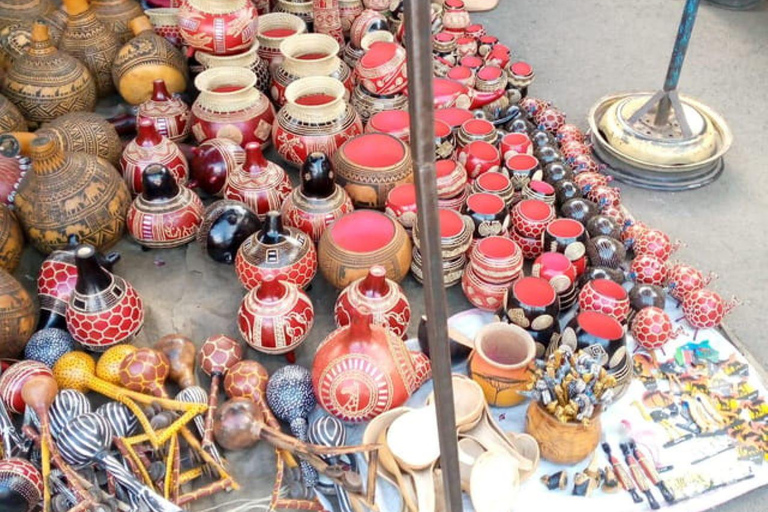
315,118
605,296
466,45
368,21
368,104
602,225
540,191
515,144
521,76
381,70
562,443
165,214
461,74
684,279
308,55
272,30
479,157
649,269
568,237
229,106
455,16
501,363
531,247
489,213
349,10
259,183
656,243
318,201
401,204
497,259
219,29
557,269
384,298
532,303
652,328
360,239
705,309
601,335
476,129
369,166
149,147
213,161
279,251
248,59
226,225
455,234
480,293
496,183
520,168
165,21
566,190
555,172
454,116
603,251
169,114
531,217
456,203
393,122
445,140
580,209
275,317
451,178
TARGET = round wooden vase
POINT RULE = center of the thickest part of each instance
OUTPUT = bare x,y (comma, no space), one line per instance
371,361
382,297
249,59
275,317
104,309
355,242
315,117
145,58
259,183
116,15
46,82
17,316
213,161
369,166
11,239
223,27
318,201
276,250
229,106
75,132
91,42
168,113
307,55
21,10
562,443
165,214
11,118
149,147
273,29
70,194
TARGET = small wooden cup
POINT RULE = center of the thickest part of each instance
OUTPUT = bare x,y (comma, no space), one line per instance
562,443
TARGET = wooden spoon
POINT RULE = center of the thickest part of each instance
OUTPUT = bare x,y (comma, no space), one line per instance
528,447
495,482
469,451
389,463
413,440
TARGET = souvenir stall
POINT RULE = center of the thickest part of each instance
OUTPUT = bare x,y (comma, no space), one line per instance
337,255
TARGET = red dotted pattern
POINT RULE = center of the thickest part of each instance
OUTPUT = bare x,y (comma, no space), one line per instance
574,148
218,354
615,212
649,270
654,242
550,119
584,163
651,328
570,133
13,468
56,279
704,309
591,300
299,273
683,280
13,379
604,196
100,330
532,248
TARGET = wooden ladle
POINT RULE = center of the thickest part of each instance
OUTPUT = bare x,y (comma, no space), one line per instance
413,440
389,463
495,482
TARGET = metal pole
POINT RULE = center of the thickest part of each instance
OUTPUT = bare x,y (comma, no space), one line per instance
421,107
684,32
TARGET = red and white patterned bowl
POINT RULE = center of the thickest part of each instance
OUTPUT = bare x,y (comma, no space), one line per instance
531,217
605,296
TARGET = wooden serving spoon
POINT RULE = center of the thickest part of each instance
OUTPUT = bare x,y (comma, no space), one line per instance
413,440
469,451
389,463
495,482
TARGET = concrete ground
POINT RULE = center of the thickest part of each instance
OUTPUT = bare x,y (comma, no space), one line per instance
584,50
581,51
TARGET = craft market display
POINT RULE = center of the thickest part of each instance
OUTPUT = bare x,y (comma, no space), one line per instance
589,371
